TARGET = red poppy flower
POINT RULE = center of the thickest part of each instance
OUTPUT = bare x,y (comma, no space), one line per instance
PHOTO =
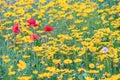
32,22
34,37
48,28
15,28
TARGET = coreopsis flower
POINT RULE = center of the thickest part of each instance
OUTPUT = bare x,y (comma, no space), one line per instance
116,60
35,72
26,56
24,77
32,22
6,60
45,75
77,60
34,37
15,28
93,71
48,28
89,78
10,72
67,61
100,0
101,67
70,78
56,61
21,65
80,70
91,65
52,69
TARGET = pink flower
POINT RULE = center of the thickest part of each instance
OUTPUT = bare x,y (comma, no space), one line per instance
15,28
32,22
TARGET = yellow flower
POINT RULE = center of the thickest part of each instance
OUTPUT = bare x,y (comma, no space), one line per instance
42,1
39,54
101,67
6,60
52,69
26,39
60,76
93,71
100,0
10,68
56,61
70,78
16,48
7,14
26,56
84,14
71,27
82,52
116,60
91,65
35,72
7,36
4,56
78,21
24,78
116,23
44,75
21,65
106,74
69,17
82,70
37,48
11,73
85,28
92,49
67,61
77,60
89,78
67,71
113,77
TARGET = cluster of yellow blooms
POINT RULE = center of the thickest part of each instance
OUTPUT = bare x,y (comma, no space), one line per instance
84,45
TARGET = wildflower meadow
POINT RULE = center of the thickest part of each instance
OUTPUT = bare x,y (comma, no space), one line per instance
59,39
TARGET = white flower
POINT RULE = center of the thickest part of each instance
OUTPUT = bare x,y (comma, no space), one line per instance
104,49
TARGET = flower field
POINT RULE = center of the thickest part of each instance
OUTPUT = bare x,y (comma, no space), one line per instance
59,39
